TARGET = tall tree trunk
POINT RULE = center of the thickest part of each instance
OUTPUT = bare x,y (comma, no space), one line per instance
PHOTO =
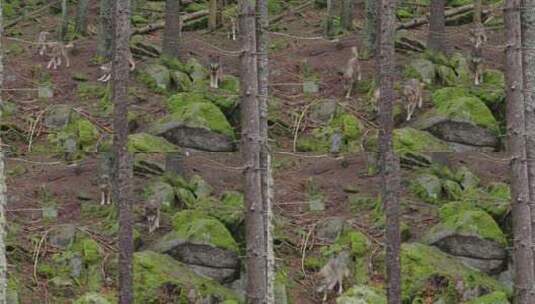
389,161
262,43
347,14
370,28
81,17
251,146
330,21
516,142
528,72
105,31
171,34
437,26
3,187
213,8
123,162
64,26
477,11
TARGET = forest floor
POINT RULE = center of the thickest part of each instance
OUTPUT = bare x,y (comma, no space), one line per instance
36,174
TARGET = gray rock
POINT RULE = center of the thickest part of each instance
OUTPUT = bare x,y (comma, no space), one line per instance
330,229
196,138
336,143
221,275
45,91
310,87
486,266
425,69
197,71
470,246
159,75
323,111
507,277
58,116
464,133
50,213
75,264
163,193
62,236
181,81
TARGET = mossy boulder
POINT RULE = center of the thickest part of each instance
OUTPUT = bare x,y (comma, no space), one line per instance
157,77
202,242
471,234
421,69
147,143
156,274
362,294
198,125
228,209
163,193
495,199
466,178
196,70
422,265
58,116
75,138
181,81
427,187
409,140
496,297
92,298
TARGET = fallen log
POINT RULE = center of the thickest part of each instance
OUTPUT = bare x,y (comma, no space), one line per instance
448,14
160,25
294,10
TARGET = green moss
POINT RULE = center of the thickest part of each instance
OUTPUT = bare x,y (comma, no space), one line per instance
229,210
427,187
452,190
179,101
359,247
145,143
88,249
197,227
467,109
92,298
173,64
496,297
444,95
362,294
466,178
87,134
409,140
156,77
87,91
495,199
155,273
421,263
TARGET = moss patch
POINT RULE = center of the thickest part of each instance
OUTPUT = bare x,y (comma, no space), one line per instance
362,294
147,143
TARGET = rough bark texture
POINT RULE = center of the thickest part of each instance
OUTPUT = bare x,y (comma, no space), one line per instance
330,29
389,161
251,145
64,26
370,28
528,72
171,33
265,157
81,17
347,14
212,17
516,143
105,31
123,174
3,188
477,11
437,26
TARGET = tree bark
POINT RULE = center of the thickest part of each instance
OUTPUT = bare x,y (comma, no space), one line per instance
437,26
3,187
477,11
123,162
105,32
390,182
251,145
262,43
330,29
171,34
516,144
347,14
213,8
64,26
528,71
81,17
370,28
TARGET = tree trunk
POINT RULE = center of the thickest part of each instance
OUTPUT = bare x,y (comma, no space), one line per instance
3,188
330,28
171,33
477,11
251,145
389,161
81,17
370,28
347,14
123,163
64,26
437,26
528,72
212,16
262,28
105,32
516,144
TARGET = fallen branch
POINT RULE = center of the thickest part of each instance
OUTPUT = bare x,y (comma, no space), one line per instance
294,10
160,25
34,13
425,19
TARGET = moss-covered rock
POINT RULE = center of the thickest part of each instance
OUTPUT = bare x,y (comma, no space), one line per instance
229,210
197,71
421,69
92,298
466,178
155,273
496,297
79,135
427,187
421,265
163,193
181,81
494,199
147,143
409,140
362,294
156,77
466,108
452,190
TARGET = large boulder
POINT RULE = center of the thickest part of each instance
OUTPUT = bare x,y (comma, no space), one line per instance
422,69
470,234
159,275
424,266
157,77
428,187
197,125
58,116
204,243
362,294
147,143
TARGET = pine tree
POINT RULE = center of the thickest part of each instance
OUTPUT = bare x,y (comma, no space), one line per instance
437,26
171,34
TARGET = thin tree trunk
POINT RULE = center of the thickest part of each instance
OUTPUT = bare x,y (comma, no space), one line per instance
516,144
81,17
123,163
212,16
105,32
528,72
389,161
262,43
477,11
251,145
437,26
219,15
331,17
370,28
347,14
171,34
3,187
64,26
